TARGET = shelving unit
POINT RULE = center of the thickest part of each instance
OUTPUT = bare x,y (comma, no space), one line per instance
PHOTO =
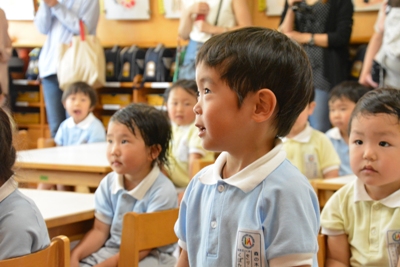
31,101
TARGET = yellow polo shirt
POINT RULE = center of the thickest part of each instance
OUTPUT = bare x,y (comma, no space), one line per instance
311,152
185,140
372,226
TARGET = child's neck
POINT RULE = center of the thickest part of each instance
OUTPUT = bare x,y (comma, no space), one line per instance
131,181
294,132
382,192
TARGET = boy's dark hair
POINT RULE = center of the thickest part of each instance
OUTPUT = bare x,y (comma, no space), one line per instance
7,150
152,123
81,87
189,86
351,90
379,101
252,58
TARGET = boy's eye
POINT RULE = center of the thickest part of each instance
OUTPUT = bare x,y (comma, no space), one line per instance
384,144
206,91
124,141
109,141
358,142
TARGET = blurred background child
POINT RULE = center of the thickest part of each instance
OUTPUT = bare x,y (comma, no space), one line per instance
22,227
138,138
342,100
310,150
82,126
362,219
186,145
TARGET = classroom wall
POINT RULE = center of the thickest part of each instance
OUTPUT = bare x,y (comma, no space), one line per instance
148,33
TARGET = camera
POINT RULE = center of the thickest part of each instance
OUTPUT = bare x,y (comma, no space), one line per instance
301,7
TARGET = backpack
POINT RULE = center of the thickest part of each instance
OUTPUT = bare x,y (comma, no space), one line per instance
132,63
113,63
32,72
158,61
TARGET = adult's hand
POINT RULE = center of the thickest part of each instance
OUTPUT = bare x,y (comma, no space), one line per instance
203,26
200,8
51,3
366,80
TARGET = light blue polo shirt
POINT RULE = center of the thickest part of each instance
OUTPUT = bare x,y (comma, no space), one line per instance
266,214
90,130
342,150
154,193
22,227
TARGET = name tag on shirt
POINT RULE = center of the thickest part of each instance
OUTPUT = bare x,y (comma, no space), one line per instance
249,248
393,242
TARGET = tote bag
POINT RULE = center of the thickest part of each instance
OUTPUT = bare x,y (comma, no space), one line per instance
82,61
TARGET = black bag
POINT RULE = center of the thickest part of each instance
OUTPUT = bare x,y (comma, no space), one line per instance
113,63
377,72
158,61
132,63
32,72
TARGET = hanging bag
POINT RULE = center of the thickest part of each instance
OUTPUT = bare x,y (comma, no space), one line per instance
186,68
82,61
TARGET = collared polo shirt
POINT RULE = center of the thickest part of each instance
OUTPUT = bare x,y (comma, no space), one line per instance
342,149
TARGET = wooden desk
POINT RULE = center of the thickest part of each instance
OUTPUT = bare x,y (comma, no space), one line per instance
65,213
82,165
326,187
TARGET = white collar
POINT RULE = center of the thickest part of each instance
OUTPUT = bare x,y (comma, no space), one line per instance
360,194
7,188
302,137
141,189
83,124
334,133
251,176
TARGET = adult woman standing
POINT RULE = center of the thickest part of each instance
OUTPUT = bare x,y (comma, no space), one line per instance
203,18
323,27
5,54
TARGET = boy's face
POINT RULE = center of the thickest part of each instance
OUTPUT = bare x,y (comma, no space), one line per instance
301,122
78,106
374,152
127,153
180,106
222,124
340,110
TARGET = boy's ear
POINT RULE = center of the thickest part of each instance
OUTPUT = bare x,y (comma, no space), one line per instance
265,105
311,107
155,150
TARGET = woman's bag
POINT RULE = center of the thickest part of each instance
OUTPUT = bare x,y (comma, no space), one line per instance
82,61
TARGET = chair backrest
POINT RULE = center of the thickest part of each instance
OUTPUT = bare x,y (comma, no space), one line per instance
45,142
57,254
145,231
321,250
21,140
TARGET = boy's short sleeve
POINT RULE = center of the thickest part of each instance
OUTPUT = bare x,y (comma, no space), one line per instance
332,215
328,157
58,139
97,132
102,200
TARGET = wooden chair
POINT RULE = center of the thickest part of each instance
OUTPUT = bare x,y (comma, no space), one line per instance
321,256
57,254
21,140
145,231
45,142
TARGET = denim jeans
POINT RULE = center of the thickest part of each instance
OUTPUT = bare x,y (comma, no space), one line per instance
54,108
188,69
320,118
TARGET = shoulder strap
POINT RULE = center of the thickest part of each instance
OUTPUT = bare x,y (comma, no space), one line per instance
219,11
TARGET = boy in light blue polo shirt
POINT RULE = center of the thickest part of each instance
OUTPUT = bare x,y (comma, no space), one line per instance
342,100
252,207
82,126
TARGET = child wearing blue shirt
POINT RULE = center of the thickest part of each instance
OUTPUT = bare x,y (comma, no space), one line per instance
82,127
138,139
22,228
252,207
342,100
